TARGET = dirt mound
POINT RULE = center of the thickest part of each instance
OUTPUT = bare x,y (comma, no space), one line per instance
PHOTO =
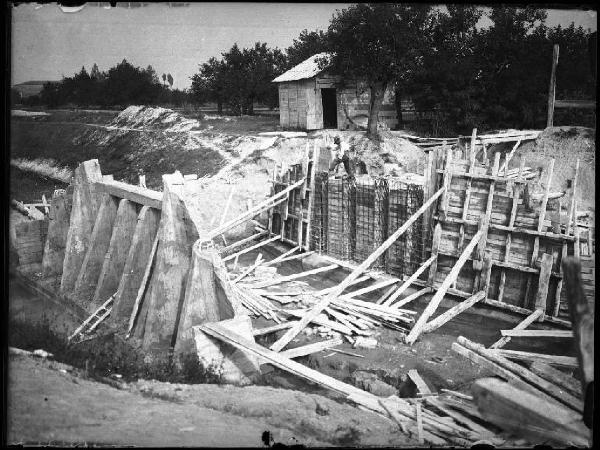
157,118
565,145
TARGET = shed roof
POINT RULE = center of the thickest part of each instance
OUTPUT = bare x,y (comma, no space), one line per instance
306,69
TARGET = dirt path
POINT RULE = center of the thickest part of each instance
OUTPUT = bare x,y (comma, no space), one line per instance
46,405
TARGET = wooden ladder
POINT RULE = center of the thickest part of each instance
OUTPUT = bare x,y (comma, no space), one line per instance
90,324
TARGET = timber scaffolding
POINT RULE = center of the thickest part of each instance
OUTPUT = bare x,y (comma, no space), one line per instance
136,257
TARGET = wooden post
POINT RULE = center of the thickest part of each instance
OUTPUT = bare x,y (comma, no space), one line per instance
552,89
435,247
513,214
572,219
582,319
311,195
316,310
486,221
544,281
536,242
447,181
461,231
441,292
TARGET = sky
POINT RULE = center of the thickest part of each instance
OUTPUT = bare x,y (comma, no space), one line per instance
47,42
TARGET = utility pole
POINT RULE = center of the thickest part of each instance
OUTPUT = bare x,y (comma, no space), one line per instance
552,90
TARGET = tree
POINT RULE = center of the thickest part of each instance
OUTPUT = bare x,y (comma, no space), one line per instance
170,79
305,46
164,78
380,43
208,85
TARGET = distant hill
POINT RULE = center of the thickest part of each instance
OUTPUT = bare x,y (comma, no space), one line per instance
29,88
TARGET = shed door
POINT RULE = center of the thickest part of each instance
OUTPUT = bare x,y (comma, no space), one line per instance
329,108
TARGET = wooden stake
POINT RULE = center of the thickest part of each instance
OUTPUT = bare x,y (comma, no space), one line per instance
316,310
552,89
441,292
142,289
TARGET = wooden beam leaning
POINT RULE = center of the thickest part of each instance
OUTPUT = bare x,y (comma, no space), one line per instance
262,206
453,312
252,247
316,310
411,297
136,194
521,326
410,280
242,242
439,295
142,288
555,360
294,276
572,220
311,348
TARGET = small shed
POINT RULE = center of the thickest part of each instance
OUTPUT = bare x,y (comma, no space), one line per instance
311,98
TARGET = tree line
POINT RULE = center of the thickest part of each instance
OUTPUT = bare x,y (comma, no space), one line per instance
121,85
457,74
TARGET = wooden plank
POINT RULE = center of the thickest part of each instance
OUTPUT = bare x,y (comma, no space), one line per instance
143,284
218,332
242,242
136,194
435,248
410,280
289,258
252,247
453,312
521,326
520,412
311,348
571,221
536,242
446,183
528,376
422,388
367,289
313,175
262,206
538,333
295,276
419,417
272,329
248,270
544,281
556,360
582,318
411,297
511,223
354,275
439,295
568,382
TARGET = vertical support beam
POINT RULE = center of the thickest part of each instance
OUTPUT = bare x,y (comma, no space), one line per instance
98,246
572,219
428,189
118,249
135,265
311,195
552,88
177,233
486,220
544,281
447,181
435,247
542,217
58,230
81,223
511,222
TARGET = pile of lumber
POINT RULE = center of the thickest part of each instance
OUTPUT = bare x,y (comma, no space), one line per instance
540,400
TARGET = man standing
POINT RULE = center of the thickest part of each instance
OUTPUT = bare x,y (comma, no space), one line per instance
341,155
